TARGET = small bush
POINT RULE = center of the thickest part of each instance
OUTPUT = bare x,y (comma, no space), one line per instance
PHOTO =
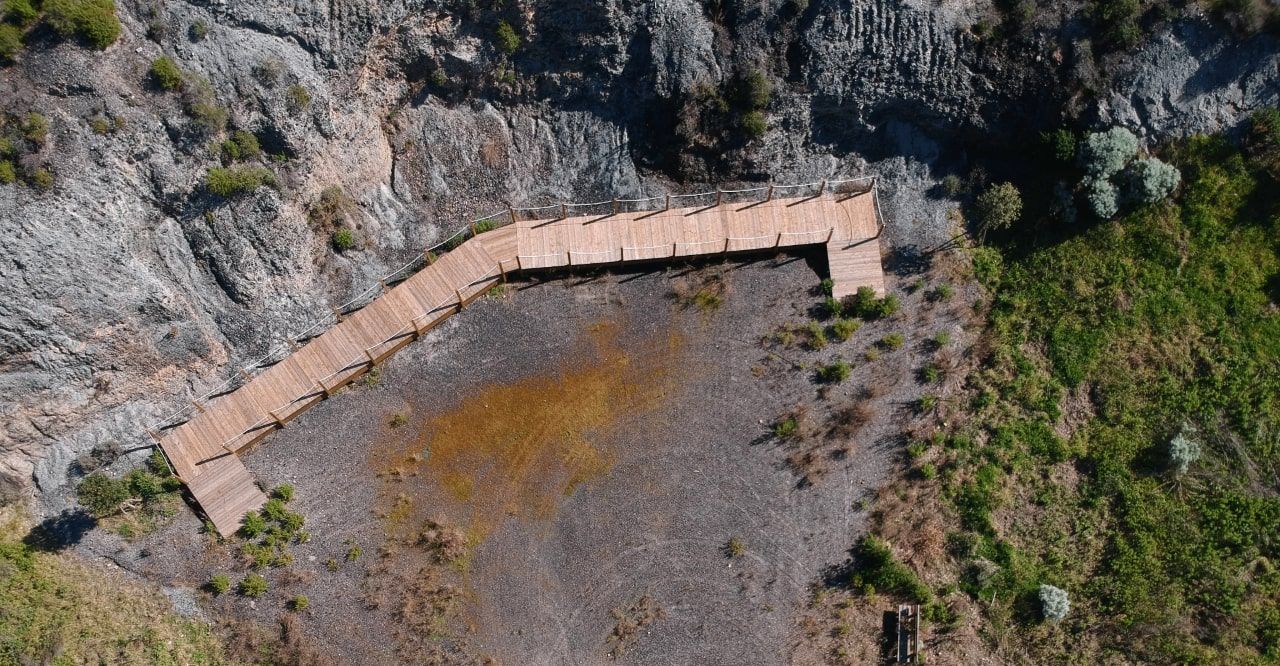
952,186
786,427
844,329
506,38
299,603
269,71
252,525
878,569
888,306
10,42
817,337
35,128
1054,603
20,13
834,373
1183,451
7,173
219,584
1104,154
144,484
1116,22
237,181
1263,140
353,553
1061,145
241,146
755,90
198,31
892,341
1153,180
101,494
397,421
754,124
283,492
208,117
734,548
343,239
41,179
165,74
333,206
943,292
298,98
92,21
253,586
1103,197
998,208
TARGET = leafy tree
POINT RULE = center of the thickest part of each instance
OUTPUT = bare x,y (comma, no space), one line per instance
101,494
1103,197
1153,180
1054,603
998,207
1103,154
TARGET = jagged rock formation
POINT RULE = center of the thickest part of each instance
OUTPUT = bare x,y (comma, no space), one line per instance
126,289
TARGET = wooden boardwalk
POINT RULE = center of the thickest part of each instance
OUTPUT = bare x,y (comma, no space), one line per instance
203,450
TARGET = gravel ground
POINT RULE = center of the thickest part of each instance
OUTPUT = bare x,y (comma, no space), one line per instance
690,469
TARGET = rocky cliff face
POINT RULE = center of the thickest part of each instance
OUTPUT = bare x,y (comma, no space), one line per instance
126,289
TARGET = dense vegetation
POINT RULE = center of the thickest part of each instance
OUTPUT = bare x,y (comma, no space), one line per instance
91,22
1120,439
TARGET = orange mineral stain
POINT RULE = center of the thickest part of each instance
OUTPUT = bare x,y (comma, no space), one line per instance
517,450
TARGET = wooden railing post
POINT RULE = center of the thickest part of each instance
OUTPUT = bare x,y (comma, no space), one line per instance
822,188
769,195
337,314
502,269
779,242
719,196
245,373
615,205
726,245
197,406
667,204
831,234
458,293
519,264
510,210
674,247
564,211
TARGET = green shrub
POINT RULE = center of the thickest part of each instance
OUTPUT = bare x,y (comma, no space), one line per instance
1104,154
353,553
1061,145
1263,140
41,179
1183,451
283,492
253,586
998,208
834,373
7,173
144,484
35,128
892,341
952,186
1103,197
166,74
506,38
754,124
734,548
92,21
101,494
844,329
10,42
1116,22
755,90
299,603
786,427
252,525
1153,180
817,336
877,568
20,13
343,239
241,146
888,306
209,118
297,98
1054,603
237,180
198,31
219,584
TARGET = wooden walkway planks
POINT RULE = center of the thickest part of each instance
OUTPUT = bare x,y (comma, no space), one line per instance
203,450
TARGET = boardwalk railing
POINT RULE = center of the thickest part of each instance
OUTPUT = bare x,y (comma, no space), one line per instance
852,186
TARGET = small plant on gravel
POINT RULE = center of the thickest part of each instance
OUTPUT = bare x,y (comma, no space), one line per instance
397,420
892,341
827,286
93,22
353,553
928,471
283,492
164,72
219,584
228,182
299,603
834,373
872,354
506,38
198,31
952,186
7,173
331,564
888,306
101,494
343,239
252,586
40,179
817,336
832,307
844,329
943,292
787,427
734,548
252,525
940,339
926,403
930,374
297,98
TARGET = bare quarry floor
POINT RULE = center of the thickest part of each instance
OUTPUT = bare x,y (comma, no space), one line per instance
575,471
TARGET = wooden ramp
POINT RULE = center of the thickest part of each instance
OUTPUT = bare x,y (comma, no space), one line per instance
203,450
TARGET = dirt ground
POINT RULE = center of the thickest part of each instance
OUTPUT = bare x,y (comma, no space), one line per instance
579,470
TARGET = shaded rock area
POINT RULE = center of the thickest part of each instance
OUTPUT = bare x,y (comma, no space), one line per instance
127,289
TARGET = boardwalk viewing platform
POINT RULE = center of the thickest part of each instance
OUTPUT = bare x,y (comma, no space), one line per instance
840,215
